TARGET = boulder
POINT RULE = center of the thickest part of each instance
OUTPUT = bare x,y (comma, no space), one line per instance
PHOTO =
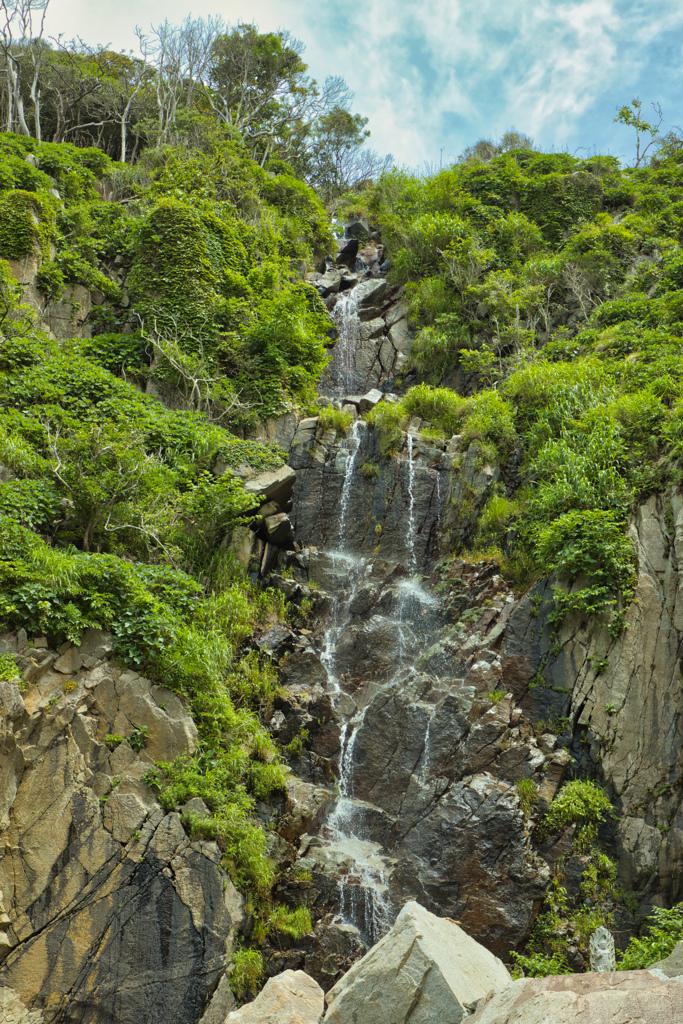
290,998
672,965
279,530
306,805
369,293
348,254
628,996
357,228
275,485
425,969
370,400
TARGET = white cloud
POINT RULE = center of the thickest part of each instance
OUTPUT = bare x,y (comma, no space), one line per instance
446,73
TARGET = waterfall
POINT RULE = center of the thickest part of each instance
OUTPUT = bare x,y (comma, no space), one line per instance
411,506
339,377
349,850
348,477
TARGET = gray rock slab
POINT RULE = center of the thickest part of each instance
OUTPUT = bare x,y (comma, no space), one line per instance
370,400
276,485
425,969
672,965
369,293
289,998
628,996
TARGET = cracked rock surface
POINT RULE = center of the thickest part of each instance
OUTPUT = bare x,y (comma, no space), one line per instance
113,914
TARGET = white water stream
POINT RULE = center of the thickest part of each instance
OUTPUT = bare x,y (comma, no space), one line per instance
347,849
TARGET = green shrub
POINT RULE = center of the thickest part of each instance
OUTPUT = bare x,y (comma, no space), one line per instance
330,418
664,932
539,965
247,973
590,544
527,791
580,802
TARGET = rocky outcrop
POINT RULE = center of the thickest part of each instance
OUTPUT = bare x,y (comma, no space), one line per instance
291,998
396,502
114,914
622,698
424,969
431,755
585,999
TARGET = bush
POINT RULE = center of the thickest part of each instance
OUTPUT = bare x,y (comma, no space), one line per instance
247,973
664,932
580,802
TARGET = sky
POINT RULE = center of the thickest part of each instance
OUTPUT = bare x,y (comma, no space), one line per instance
435,77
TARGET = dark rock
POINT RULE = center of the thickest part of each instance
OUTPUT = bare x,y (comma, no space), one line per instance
348,254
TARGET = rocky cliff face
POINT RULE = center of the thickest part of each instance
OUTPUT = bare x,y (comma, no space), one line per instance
110,912
623,698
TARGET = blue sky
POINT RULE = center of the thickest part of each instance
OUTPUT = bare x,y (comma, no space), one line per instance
434,77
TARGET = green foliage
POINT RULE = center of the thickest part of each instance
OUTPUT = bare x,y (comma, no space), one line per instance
8,669
590,544
294,922
539,965
527,792
664,932
581,802
247,972
330,418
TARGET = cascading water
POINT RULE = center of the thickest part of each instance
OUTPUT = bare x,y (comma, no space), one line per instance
346,846
340,558
339,377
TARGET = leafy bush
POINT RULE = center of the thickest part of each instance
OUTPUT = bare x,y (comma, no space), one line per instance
590,544
539,965
247,972
664,932
579,802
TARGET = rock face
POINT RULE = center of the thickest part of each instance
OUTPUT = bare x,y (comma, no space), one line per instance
585,999
425,969
290,998
379,494
624,698
114,914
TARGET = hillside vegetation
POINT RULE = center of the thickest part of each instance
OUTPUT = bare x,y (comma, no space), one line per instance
545,295
545,291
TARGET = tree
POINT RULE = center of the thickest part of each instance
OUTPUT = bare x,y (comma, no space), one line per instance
337,160
22,46
631,116
256,83
486,150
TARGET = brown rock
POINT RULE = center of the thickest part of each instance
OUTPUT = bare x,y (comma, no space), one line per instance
631,997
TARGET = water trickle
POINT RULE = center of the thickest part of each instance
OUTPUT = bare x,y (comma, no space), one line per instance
339,378
353,565
411,507
352,452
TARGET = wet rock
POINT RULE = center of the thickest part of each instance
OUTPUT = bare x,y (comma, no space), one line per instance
470,859
290,998
334,948
304,669
585,999
425,969
306,805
